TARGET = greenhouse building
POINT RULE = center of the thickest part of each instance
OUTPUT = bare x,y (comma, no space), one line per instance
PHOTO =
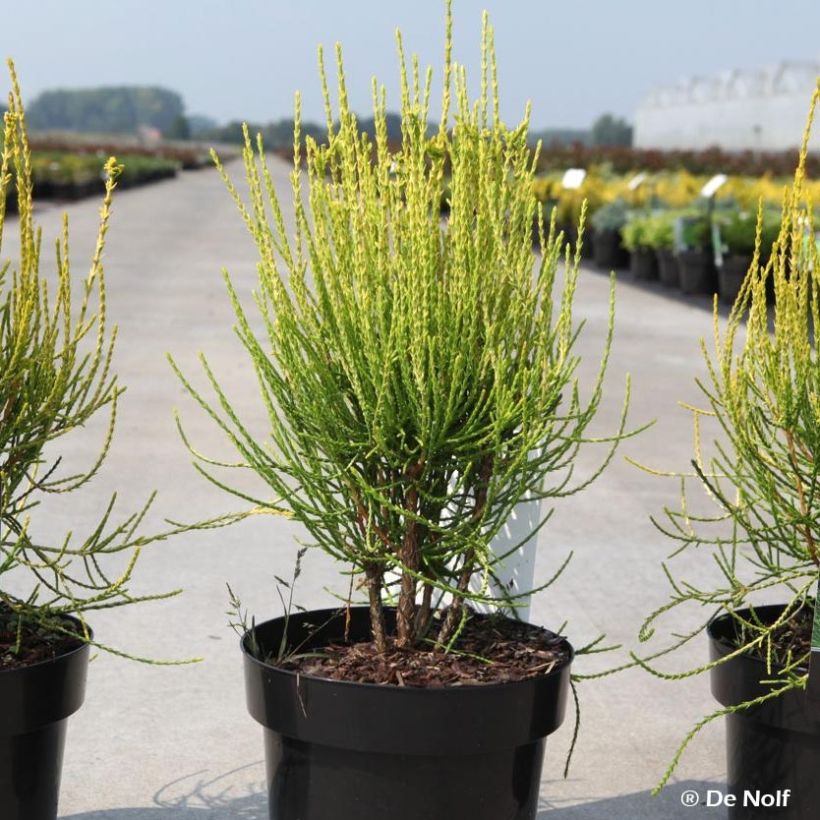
762,110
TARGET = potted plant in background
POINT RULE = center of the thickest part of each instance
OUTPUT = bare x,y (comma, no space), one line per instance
636,238
696,260
55,374
571,203
660,236
419,382
764,535
608,252
738,239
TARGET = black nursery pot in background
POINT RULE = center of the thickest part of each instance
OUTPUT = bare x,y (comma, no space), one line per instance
35,704
771,749
607,251
643,264
731,275
668,268
347,751
697,272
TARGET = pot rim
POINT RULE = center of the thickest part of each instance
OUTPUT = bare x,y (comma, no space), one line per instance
84,644
694,253
481,687
725,616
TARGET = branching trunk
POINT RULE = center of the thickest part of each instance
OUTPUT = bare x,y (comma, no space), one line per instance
406,611
374,577
374,574
410,559
806,529
424,612
454,610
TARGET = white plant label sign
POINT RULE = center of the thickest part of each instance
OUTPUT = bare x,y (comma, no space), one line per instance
636,181
516,573
713,185
573,178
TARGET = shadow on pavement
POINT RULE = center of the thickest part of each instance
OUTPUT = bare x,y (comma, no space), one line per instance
240,809
196,797
675,802
210,800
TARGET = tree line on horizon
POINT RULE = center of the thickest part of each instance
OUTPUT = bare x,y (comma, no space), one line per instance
607,130
128,109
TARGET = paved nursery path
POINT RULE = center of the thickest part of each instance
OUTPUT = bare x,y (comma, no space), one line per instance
177,743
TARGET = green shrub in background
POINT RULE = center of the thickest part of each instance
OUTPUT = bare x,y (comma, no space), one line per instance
739,228
696,233
610,217
656,230
637,231
660,230
57,173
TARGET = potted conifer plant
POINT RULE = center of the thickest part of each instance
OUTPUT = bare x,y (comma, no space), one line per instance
696,258
660,236
420,381
636,238
608,251
55,374
738,237
763,392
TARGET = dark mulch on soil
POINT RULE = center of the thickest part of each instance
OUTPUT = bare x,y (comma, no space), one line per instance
795,635
489,650
792,637
37,642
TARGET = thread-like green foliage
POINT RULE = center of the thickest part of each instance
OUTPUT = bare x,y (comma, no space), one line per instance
419,374
763,390
55,374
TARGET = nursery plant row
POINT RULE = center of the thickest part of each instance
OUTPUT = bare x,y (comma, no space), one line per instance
189,154
65,176
642,188
708,161
662,227
698,250
420,381
68,168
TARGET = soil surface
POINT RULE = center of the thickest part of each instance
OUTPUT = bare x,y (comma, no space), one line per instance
793,637
30,643
489,650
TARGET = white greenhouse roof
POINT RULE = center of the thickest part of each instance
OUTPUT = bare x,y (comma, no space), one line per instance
785,78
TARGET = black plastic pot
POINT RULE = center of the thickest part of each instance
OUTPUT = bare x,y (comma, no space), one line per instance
37,701
607,251
668,267
773,748
643,264
697,272
348,751
731,275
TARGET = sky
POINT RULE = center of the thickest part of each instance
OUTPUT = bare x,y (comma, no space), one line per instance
243,59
